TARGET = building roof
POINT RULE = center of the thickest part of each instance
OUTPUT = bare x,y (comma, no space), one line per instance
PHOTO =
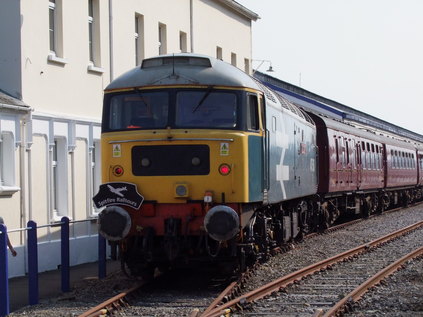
310,101
240,9
11,103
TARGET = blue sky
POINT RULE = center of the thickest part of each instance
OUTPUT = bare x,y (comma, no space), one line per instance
366,54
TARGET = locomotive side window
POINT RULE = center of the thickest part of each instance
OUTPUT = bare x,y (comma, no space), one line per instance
206,109
252,113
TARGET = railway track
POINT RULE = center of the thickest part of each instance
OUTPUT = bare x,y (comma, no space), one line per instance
326,283
182,296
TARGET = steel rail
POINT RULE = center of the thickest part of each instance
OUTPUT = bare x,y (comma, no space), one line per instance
218,299
98,310
286,280
357,293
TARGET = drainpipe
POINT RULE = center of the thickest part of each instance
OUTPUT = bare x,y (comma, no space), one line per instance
191,24
22,147
111,40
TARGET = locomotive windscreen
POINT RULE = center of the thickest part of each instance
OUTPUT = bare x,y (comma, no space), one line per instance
141,110
205,108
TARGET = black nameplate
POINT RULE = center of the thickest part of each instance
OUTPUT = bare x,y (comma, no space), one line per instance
118,193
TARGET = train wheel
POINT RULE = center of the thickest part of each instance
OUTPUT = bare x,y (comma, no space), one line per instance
147,273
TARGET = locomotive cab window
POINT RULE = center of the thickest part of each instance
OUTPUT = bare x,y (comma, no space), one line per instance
252,113
206,109
142,110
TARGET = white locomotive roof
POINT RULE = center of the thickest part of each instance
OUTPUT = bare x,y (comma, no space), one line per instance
183,69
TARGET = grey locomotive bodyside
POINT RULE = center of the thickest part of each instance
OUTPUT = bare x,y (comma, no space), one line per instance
292,151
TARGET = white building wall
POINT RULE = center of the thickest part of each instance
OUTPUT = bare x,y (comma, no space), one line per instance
215,25
65,86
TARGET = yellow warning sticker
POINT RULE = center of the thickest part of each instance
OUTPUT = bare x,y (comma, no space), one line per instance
117,150
224,149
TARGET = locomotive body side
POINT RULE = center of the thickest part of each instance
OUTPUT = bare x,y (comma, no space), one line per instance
292,151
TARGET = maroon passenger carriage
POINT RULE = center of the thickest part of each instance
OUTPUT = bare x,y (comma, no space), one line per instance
364,172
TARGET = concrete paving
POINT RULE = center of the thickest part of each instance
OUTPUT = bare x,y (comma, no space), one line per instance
50,282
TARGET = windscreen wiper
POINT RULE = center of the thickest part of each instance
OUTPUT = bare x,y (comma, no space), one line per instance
207,93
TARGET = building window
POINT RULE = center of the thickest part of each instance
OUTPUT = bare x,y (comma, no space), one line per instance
93,33
162,39
52,24
247,65
59,179
91,29
219,53
139,38
182,42
55,30
233,59
7,164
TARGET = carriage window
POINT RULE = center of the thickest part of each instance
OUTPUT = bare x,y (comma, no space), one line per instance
396,159
337,150
393,159
206,109
142,110
402,160
348,151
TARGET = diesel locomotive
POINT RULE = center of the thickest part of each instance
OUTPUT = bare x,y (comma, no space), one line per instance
203,163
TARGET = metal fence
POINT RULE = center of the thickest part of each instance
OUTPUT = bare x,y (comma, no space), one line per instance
32,258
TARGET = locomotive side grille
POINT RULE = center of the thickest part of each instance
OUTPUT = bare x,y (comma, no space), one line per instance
168,160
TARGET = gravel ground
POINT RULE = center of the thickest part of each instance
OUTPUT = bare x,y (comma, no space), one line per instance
311,250
401,295
326,245
81,298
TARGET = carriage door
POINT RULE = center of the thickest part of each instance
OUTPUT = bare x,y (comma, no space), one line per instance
257,169
358,163
265,152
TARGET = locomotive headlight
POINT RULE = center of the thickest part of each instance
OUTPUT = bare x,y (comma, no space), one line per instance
224,169
195,161
181,190
145,162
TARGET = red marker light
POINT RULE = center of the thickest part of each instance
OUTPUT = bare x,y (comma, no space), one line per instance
224,169
117,170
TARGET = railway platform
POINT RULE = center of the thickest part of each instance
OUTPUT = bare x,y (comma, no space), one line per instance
50,282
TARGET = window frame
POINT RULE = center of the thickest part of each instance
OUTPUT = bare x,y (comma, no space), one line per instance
240,100
58,179
139,39
8,184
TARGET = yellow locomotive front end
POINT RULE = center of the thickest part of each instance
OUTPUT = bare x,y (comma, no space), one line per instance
193,155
